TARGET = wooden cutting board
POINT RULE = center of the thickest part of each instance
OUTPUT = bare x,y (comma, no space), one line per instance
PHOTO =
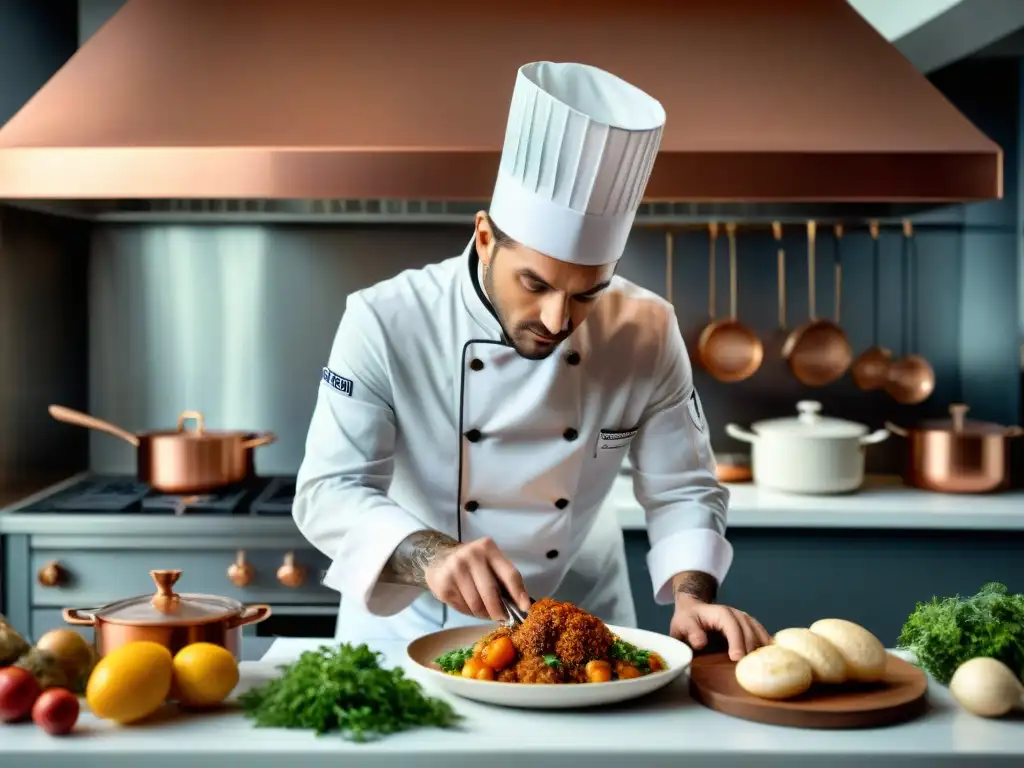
901,697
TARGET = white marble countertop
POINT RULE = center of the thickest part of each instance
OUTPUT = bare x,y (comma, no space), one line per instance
883,503
667,728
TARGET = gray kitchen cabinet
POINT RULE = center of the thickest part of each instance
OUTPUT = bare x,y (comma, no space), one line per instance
97,570
784,577
96,576
792,577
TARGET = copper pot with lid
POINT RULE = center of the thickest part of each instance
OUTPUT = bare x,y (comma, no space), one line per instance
957,455
171,619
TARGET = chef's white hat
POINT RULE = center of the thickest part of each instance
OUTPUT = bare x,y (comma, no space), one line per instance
579,148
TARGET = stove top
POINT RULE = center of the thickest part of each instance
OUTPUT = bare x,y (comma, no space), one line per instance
119,494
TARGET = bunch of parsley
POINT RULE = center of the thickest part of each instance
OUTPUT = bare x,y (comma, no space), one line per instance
344,689
945,632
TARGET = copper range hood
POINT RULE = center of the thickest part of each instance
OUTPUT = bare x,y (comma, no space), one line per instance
767,101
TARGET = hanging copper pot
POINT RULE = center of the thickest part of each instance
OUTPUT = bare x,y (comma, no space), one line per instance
957,455
730,350
871,368
818,352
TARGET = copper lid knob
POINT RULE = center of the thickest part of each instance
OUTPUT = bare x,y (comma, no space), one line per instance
166,600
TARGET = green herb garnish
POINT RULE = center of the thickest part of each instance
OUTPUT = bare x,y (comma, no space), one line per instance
552,661
454,661
945,632
630,654
344,689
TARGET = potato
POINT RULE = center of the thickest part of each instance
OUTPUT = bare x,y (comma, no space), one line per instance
864,653
774,672
827,663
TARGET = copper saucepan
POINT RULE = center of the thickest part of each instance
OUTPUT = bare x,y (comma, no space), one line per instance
957,456
182,460
818,352
729,350
167,618
911,378
871,368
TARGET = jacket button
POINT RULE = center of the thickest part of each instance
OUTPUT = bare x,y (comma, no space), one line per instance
570,434
552,554
476,364
573,358
562,503
472,506
474,435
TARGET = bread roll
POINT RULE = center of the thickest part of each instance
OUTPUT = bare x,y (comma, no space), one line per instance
864,653
773,672
827,663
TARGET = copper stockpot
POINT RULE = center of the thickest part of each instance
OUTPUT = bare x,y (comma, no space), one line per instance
167,618
957,456
182,460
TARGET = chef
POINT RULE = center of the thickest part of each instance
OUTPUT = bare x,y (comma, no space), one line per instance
473,415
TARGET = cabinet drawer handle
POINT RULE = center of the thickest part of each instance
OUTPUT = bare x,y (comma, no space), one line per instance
53,574
291,574
240,572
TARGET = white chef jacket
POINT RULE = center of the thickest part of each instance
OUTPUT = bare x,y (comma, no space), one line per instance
426,418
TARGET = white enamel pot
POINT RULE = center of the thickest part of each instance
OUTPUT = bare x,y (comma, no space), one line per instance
809,453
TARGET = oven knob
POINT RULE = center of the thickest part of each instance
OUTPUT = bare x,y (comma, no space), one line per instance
240,573
52,574
290,574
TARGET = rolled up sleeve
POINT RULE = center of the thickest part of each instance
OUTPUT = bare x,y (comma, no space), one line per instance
341,504
674,476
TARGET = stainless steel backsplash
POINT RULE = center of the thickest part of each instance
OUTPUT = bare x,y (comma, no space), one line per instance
236,321
233,321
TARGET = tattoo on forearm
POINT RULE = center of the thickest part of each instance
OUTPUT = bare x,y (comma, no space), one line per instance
408,565
697,584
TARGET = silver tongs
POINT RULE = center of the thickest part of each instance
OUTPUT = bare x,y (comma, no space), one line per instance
515,615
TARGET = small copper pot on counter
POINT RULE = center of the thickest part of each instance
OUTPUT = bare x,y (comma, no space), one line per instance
168,618
958,456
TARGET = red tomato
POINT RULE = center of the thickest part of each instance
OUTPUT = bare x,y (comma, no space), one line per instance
18,692
56,711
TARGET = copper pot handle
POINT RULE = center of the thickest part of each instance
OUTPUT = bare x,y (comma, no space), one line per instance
79,617
196,416
251,614
265,438
896,429
70,416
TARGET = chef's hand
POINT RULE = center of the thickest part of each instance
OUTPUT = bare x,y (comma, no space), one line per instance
469,577
693,619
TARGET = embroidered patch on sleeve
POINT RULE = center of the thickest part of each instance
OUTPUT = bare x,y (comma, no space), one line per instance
336,381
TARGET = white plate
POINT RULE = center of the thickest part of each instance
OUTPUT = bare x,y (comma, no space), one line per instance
422,652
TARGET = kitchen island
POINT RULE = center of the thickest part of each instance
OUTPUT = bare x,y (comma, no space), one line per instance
667,728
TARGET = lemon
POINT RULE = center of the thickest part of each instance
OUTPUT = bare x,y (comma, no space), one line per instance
204,674
130,683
